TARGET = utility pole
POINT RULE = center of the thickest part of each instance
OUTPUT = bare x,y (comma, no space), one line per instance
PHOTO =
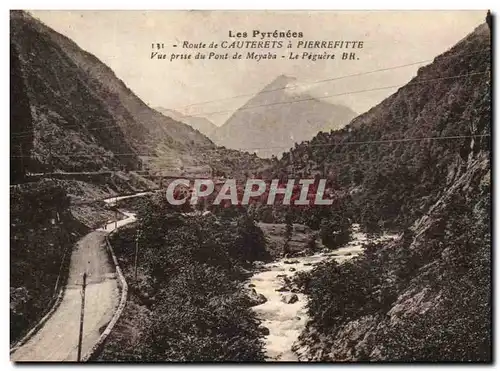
21,156
82,312
136,252
51,168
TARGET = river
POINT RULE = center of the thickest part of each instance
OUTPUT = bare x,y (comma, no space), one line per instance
286,321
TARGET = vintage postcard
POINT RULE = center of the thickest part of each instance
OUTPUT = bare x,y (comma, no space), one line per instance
250,186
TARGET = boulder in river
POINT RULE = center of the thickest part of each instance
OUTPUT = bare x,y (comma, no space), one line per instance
291,261
245,272
255,298
292,269
290,298
264,330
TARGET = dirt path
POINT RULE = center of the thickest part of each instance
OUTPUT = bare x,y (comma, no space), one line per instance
57,340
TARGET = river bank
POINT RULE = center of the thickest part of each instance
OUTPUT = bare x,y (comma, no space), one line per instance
284,313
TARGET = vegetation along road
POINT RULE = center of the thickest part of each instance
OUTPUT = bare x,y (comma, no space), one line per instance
57,340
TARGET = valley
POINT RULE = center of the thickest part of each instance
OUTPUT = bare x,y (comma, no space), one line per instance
385,256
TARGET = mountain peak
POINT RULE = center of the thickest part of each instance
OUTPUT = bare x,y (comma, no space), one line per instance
274,119
280,82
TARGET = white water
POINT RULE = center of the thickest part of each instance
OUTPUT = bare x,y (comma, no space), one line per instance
286,321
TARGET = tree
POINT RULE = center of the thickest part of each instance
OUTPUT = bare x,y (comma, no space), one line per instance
335,231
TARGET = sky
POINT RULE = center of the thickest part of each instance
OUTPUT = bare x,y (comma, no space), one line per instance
123,40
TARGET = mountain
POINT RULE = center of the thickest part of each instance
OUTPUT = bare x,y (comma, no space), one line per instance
277,117
414,141
203,125
83,116
70,113
417,164
20,119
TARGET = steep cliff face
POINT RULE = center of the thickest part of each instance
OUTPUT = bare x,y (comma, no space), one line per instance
277,117
84,117
426,295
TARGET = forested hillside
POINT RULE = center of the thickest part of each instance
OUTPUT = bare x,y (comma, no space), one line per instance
397,159
84,117
71,113
188,302
42,234
419,164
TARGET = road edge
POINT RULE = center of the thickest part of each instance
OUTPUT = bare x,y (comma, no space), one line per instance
95,350
56,301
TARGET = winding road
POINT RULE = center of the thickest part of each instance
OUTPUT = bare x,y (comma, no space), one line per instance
57,340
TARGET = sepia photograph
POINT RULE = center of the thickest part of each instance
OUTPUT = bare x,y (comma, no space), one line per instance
255,186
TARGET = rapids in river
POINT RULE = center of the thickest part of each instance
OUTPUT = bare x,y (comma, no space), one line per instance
286,321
